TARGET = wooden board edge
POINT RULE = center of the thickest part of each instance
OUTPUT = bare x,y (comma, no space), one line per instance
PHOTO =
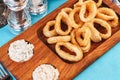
99,51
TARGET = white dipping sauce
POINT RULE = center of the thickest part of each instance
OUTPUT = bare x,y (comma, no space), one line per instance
45,72
20,51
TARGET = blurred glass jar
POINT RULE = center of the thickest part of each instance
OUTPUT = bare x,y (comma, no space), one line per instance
19,18
16,5
19,21
117,2
37,7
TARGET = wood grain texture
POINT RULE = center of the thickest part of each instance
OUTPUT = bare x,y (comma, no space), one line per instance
44,53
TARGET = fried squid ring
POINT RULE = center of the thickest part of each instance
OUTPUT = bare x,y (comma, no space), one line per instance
83,35
58,27
108,15
78,4
99,3
105,25
73,40
66,10
105,14
46,30
87,47
82,1
67,56
74,17
73,37
88,11
56,39
95,35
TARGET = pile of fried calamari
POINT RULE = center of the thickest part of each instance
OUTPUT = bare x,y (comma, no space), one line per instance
81,28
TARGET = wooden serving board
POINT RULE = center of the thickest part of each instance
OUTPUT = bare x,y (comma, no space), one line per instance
44,53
